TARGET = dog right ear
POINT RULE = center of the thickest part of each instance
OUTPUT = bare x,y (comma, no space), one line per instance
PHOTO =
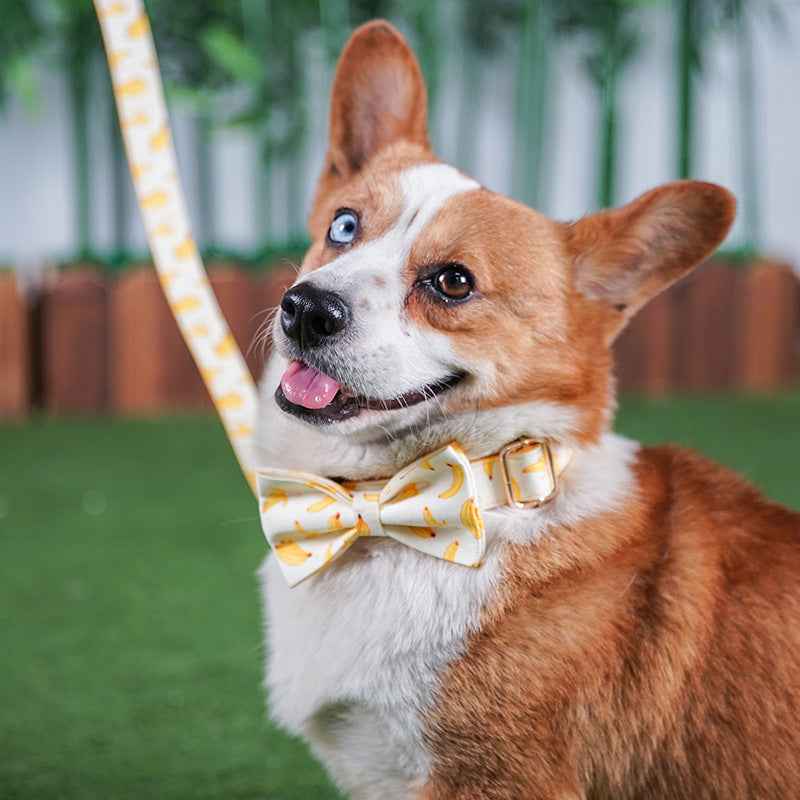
378,97
624,256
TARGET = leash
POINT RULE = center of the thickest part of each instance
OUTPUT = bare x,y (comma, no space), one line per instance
146,132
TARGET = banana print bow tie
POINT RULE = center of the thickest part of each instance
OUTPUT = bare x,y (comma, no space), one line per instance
431,505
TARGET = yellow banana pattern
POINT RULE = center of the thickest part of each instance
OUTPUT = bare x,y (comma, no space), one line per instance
427,515
324,518
335,522
433,506
291,553
471,518
320,505
450,552
458,482
145,127
275,496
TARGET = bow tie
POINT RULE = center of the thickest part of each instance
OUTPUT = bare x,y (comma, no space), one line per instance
433,505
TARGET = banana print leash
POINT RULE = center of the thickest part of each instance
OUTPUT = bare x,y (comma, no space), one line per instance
142,110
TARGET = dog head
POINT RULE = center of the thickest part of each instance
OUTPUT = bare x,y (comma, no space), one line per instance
427,299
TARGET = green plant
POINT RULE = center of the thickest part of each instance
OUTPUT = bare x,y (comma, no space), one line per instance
20,34
610,39
698,22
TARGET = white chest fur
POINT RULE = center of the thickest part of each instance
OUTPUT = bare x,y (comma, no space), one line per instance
356,655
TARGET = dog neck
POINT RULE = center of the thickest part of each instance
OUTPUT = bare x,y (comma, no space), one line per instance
284,442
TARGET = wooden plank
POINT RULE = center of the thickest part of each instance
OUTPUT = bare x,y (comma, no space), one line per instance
766,354
15,349
74,342
268,288
644,351
704,328
151,370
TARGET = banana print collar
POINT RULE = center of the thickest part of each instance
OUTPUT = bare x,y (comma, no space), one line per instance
433,505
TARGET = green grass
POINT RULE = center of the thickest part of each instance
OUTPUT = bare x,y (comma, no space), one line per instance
130,644
130,637
758,437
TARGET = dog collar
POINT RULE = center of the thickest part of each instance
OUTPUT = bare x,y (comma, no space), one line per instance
433,505
524,474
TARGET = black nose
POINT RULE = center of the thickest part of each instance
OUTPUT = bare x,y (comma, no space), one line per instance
311,316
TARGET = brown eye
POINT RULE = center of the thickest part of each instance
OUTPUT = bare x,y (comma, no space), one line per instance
453,282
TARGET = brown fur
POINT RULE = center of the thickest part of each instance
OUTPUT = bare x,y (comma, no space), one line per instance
647,653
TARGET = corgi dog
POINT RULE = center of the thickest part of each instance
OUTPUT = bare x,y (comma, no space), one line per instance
627,628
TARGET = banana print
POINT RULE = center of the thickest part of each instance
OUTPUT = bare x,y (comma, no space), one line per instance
230,400
154,200
539,466
136,120
291,553
134,87
471,518
304,533
411,490
113,8
140,27
160,140
431,520
115,58
140,102
450,552
273,498
335,523
424,528
186,248
162,230
350,538
315,508
184,305
137,170
226,346
488,465
525,448
458,482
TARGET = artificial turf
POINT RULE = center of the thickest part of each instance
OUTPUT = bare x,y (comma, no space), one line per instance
130,637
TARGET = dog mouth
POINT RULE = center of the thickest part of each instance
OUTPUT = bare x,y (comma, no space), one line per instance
315,397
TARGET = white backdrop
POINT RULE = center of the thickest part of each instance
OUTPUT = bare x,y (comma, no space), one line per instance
36,180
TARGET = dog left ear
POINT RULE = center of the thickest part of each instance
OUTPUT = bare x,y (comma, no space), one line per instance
622,257
378,97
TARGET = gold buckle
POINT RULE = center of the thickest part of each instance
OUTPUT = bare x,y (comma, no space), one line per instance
508,485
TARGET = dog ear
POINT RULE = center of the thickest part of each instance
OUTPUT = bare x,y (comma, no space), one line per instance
622,257
378,97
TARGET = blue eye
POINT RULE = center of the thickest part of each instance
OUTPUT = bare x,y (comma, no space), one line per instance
344,228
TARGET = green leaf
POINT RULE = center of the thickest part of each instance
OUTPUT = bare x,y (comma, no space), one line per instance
232,56
22,82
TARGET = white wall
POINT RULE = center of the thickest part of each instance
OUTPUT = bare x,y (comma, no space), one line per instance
36,182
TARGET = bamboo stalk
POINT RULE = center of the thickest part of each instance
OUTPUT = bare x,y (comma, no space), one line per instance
531,103
748,141
685,88
79,119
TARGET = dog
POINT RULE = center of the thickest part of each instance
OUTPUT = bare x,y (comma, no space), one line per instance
627,627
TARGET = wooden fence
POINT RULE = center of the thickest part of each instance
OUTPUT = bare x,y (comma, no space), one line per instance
90,342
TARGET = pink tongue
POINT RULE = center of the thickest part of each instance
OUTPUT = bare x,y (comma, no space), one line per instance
308,387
